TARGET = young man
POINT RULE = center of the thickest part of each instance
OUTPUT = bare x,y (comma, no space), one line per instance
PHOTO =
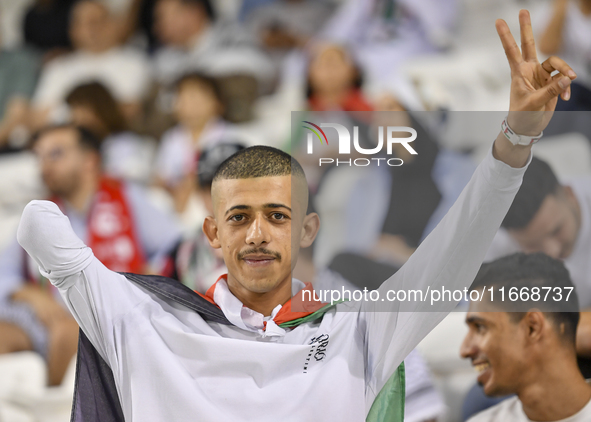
125,231
529,353
248,355
553,218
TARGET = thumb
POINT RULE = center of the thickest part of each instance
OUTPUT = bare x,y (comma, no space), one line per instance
550,91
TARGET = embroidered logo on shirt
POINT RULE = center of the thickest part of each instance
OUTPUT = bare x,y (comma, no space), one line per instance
317,351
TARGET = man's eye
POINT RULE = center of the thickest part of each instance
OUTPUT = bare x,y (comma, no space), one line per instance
278,216
237,217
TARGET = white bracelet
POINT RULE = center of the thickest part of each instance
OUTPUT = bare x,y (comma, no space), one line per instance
516,139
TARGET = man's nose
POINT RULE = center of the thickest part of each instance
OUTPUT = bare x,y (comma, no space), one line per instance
258,232
468,348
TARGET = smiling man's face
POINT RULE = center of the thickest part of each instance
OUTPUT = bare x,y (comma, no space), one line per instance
253,222
496,345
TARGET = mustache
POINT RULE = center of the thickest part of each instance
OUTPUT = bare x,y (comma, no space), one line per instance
264,251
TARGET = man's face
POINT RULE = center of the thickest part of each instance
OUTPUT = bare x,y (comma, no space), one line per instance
254,219
554,228
176,23
92,28
195,104
62,161
497,347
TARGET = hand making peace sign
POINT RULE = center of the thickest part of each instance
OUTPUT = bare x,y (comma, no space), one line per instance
534,91
533,88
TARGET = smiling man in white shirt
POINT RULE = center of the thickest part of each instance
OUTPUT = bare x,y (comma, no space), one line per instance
259,359
518,349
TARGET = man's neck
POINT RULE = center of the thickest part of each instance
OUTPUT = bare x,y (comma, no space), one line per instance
81,198
263,303
559,392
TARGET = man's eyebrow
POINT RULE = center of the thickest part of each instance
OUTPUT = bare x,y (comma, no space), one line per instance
238,207
475,319
248,207
277,206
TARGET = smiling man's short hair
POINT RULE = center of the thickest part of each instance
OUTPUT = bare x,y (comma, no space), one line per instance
258,161
530,271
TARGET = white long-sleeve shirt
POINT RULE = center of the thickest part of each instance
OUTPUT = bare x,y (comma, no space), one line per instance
171,365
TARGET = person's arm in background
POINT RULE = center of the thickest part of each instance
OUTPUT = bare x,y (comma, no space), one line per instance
550,40
584,334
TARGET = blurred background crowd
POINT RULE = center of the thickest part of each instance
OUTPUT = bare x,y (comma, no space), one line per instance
121,110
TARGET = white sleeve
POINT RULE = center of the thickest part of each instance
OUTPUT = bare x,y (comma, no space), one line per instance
96,296
449,257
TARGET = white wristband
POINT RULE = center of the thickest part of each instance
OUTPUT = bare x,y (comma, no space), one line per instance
516,139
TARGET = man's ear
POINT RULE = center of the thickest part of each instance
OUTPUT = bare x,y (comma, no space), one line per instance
535,324
309,229
210,228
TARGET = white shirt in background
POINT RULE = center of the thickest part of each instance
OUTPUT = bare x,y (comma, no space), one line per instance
511,410
125,73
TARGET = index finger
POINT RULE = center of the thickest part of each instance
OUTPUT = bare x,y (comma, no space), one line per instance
528,45
509,44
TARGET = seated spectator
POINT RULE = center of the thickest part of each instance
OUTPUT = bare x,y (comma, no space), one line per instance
528,348
193,41
553,218
334,81
199,111
567,33
287,24
19,70
127,233
418,194
384,34
96,57
126,155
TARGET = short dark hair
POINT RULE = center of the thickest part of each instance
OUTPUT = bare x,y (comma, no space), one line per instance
258,161
532,270
86,139
539,181
96,96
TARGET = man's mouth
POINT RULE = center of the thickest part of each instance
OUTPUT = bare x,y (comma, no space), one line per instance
481,367
258,260
259,257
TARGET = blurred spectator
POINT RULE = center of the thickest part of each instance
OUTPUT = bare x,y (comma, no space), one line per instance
193,41
286,24
385,33
555,219
96,57
334,81
199,111
418,194
529,353
46,26
124,230
567,34
126,155
19,69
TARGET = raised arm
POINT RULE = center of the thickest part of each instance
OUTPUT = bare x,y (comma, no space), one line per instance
95,295
451,255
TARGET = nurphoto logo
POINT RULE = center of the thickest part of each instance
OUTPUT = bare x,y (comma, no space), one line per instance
344,144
